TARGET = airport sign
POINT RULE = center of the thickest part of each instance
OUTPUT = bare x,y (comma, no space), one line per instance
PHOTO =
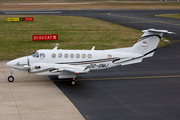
45,37
21,19
12,19
29,18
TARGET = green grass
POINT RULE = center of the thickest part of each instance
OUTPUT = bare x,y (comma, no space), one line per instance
21,0
176,16
73,33
92,5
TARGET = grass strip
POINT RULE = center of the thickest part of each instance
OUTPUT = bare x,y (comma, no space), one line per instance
176,16
77,5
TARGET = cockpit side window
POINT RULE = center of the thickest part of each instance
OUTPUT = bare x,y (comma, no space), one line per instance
42,55
35,55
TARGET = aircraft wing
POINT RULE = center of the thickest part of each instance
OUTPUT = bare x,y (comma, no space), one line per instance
44,67
73,69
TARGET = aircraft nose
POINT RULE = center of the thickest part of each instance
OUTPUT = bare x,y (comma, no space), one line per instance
9,64
17,63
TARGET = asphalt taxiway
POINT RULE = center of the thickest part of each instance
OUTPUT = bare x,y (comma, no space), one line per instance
149,90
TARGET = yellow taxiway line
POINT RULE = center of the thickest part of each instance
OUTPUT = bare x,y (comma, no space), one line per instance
124,78
120,78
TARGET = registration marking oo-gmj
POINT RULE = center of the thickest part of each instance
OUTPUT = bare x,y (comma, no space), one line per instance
102,65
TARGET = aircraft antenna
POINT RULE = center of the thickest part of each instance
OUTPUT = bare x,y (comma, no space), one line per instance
93,48
56,47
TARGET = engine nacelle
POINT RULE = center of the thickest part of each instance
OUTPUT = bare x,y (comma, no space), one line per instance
41,67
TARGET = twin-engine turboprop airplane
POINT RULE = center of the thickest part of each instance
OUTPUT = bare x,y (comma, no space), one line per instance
68,63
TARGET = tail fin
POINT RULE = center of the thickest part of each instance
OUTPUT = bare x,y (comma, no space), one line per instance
148,42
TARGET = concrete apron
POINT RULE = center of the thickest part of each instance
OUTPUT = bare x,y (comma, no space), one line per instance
33,98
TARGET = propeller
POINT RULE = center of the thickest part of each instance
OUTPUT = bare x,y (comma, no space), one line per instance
29,68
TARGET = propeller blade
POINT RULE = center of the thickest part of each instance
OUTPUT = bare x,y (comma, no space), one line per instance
28,61
29,68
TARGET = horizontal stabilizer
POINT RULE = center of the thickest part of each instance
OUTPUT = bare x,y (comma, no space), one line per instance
158,31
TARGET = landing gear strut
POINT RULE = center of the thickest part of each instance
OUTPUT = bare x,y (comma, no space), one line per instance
73,81
11,78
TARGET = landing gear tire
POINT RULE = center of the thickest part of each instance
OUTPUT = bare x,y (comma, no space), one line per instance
73,82
10,78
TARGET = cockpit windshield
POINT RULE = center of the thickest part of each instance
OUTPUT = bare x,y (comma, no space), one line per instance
35,54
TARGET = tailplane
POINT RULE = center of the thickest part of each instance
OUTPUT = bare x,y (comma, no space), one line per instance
145,47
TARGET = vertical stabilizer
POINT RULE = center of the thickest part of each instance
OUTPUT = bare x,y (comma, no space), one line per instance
148,42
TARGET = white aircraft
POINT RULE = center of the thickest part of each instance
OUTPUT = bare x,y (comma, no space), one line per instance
68,63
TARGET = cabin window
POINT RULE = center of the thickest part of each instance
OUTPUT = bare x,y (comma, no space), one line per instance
89,56
83,55
42,55
77,55
53,55
72,55
66,55
59,55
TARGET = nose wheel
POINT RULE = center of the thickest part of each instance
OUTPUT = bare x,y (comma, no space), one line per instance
10,78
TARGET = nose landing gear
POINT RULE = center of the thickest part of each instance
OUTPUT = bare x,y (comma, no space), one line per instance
11,78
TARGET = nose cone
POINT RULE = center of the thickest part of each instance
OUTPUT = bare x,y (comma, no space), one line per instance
9,64
17,63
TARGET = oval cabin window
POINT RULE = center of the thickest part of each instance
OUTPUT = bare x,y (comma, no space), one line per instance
83,56
66,55
53,55
59,55
89,56
77,55
72,55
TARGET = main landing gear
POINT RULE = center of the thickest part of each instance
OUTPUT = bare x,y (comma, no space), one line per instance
73,81
11,78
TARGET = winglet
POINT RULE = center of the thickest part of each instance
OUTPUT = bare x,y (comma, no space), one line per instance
56,47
